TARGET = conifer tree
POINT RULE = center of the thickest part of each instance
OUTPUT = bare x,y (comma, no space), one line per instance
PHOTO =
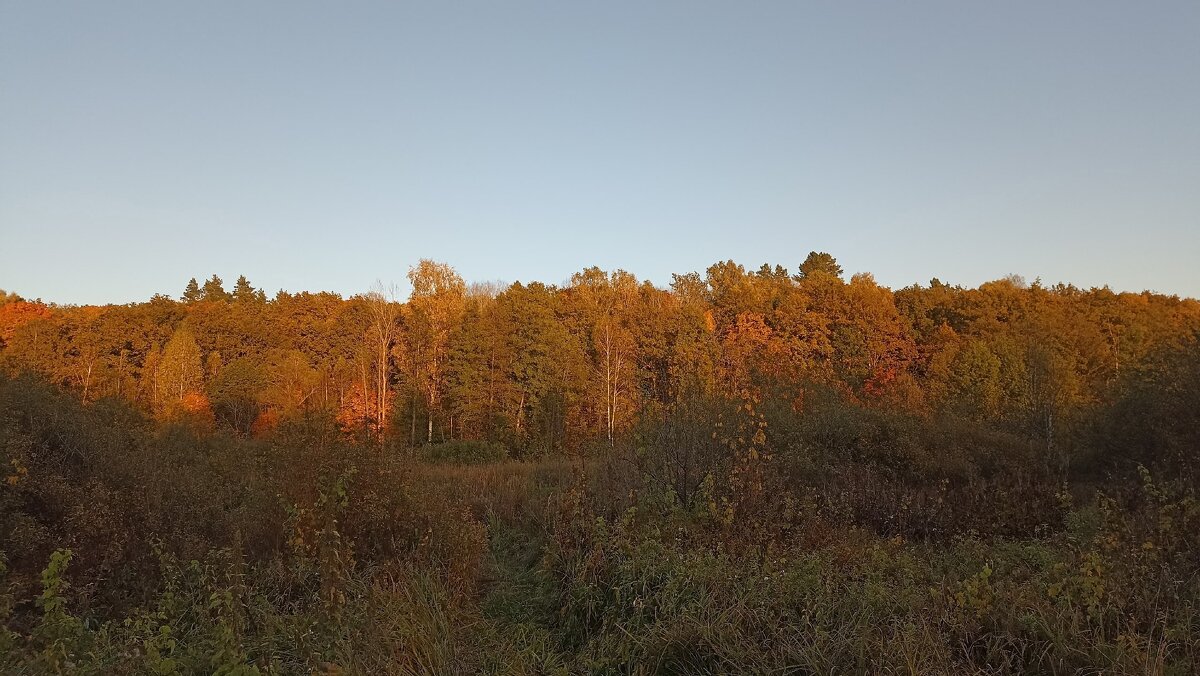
819,262
243,292
214,290
192,293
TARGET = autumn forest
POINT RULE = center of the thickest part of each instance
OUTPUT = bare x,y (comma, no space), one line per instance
751,470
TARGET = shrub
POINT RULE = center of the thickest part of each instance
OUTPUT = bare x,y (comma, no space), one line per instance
463,452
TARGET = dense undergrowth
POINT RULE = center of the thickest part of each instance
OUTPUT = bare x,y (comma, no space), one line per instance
717,537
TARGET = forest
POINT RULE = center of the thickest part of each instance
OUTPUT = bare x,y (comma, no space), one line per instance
771,470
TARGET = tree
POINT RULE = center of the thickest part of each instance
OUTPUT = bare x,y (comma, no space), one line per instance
974,387
872,336
16,314
192,293
243,292
819,262
86,346
236,393
730,292
149,376
538,366
214,290
606,303
545,364
290,381
474,369
180,371
381,303
437,302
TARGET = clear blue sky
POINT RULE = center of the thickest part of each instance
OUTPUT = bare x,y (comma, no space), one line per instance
323,145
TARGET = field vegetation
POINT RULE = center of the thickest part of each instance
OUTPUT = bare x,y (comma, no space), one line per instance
749,472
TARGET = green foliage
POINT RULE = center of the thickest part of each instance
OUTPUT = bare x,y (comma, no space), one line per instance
974,381
819,263
825,600
214,290
236,394
463,452
192,292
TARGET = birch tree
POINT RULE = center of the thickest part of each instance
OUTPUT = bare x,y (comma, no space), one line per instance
384,311
437,304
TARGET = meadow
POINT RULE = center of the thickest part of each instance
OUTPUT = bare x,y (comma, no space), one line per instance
978,500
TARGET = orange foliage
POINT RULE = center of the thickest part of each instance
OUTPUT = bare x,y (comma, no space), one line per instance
880,380
195,403
15,315
753,350
358,410
193,408
266,421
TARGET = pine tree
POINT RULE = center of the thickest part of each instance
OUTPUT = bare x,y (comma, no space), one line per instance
214,290
192,293
819,262
243,292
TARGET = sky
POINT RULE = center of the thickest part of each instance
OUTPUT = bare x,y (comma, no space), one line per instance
324,146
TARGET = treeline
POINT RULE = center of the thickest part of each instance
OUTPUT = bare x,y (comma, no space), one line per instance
537,368
769,473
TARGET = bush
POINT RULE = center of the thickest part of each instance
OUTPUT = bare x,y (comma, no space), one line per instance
463,452
1117,593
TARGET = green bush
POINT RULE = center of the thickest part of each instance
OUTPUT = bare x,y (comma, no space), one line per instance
1117,593
463,452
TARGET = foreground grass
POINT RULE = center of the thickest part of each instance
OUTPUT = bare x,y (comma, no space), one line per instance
539,568
519,607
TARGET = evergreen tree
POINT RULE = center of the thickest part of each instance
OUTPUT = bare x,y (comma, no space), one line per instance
192,293
214,290
819,262
243,292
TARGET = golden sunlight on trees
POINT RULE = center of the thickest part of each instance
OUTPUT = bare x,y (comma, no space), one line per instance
179,376
384,311
605,308
412,483
542,368
17,313
436,306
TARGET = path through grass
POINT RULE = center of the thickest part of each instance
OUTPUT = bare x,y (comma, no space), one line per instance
518,606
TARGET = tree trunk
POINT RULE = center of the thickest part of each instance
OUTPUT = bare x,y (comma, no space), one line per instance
87,381
520,412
